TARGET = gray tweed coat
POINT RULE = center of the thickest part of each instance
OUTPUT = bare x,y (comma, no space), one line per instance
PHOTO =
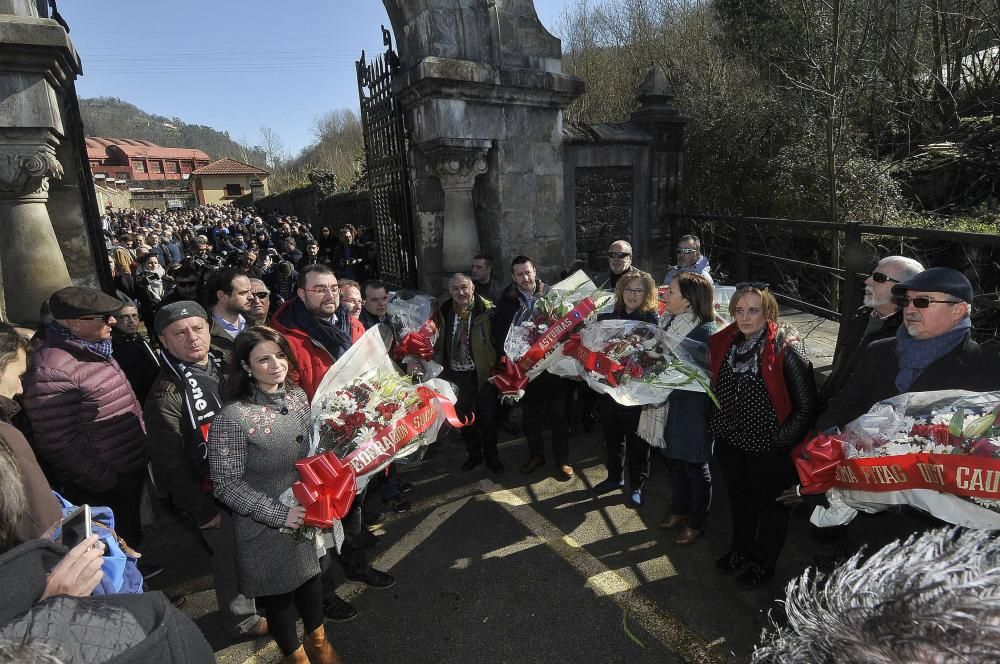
252,449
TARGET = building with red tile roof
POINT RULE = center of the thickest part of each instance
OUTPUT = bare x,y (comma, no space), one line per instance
140,161
226,179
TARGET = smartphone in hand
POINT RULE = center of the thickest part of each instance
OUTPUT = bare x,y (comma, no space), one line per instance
75,527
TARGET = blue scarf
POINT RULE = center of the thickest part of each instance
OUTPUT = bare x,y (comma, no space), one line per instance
915,355
103,347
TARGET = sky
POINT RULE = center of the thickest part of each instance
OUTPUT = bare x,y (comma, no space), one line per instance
234,65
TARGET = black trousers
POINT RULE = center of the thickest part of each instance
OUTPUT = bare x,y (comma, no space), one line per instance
480,438
352,556
754,480
544,403
284,610
691,491
619,425
123,499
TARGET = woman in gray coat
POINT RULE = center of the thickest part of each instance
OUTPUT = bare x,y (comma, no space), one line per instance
689,299
253,445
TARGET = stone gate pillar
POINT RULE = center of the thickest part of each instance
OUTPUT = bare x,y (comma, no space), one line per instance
659,117
483,90
38,59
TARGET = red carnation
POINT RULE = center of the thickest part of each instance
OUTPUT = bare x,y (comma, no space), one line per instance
937,432
355,420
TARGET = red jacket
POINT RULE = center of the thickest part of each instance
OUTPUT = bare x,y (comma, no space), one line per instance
771,365
313,359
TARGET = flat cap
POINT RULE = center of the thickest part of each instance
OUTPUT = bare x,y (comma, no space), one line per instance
175,311
938,280
74,302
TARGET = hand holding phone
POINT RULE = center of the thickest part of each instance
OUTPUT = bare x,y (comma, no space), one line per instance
79,572
75,527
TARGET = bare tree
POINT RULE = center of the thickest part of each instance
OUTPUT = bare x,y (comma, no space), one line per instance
274,149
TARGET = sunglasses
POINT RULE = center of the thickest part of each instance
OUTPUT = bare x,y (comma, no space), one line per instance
904,301
618,254
185,284
881,278
262,295
759,285
107,318
686,251
635,291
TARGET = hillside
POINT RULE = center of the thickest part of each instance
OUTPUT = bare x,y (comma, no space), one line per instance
110,117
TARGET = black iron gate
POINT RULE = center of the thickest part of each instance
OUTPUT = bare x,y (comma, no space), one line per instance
388,175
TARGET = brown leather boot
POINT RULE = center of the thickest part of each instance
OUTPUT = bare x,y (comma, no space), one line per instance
297,657
319,649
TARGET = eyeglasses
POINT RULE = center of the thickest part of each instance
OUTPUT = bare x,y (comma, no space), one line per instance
682,250
323,290
107,318
635,291
881,278
262,295
127,316
759,285
904,301
618,254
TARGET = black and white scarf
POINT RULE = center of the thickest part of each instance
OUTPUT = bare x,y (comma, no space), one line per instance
200,390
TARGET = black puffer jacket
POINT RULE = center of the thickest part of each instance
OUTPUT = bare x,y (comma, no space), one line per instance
116,629
855,342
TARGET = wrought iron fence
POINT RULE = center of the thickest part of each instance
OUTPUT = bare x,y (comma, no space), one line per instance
819,267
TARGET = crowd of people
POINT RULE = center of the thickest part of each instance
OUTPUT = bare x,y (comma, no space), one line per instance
244,316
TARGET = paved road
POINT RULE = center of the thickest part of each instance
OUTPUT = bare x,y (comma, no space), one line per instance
515,568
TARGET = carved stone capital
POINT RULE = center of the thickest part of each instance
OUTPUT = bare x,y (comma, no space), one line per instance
457,162
25,170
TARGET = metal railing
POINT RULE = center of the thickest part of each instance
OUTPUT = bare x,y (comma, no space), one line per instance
819,267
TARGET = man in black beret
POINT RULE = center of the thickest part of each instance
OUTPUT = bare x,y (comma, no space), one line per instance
182,403
87,421
932,350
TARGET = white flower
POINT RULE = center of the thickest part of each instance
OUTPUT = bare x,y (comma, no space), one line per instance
363,435
942,416
343,402
542,327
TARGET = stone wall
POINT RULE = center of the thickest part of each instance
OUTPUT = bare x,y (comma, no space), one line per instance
607,189
604,199
623,181
309,205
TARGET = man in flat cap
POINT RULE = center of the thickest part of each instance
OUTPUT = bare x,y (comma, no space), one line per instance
87,421
932,350
179,411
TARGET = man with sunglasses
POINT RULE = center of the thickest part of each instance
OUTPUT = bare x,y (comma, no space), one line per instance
619,263
87,421
689,259
260,303
932,349
878,318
